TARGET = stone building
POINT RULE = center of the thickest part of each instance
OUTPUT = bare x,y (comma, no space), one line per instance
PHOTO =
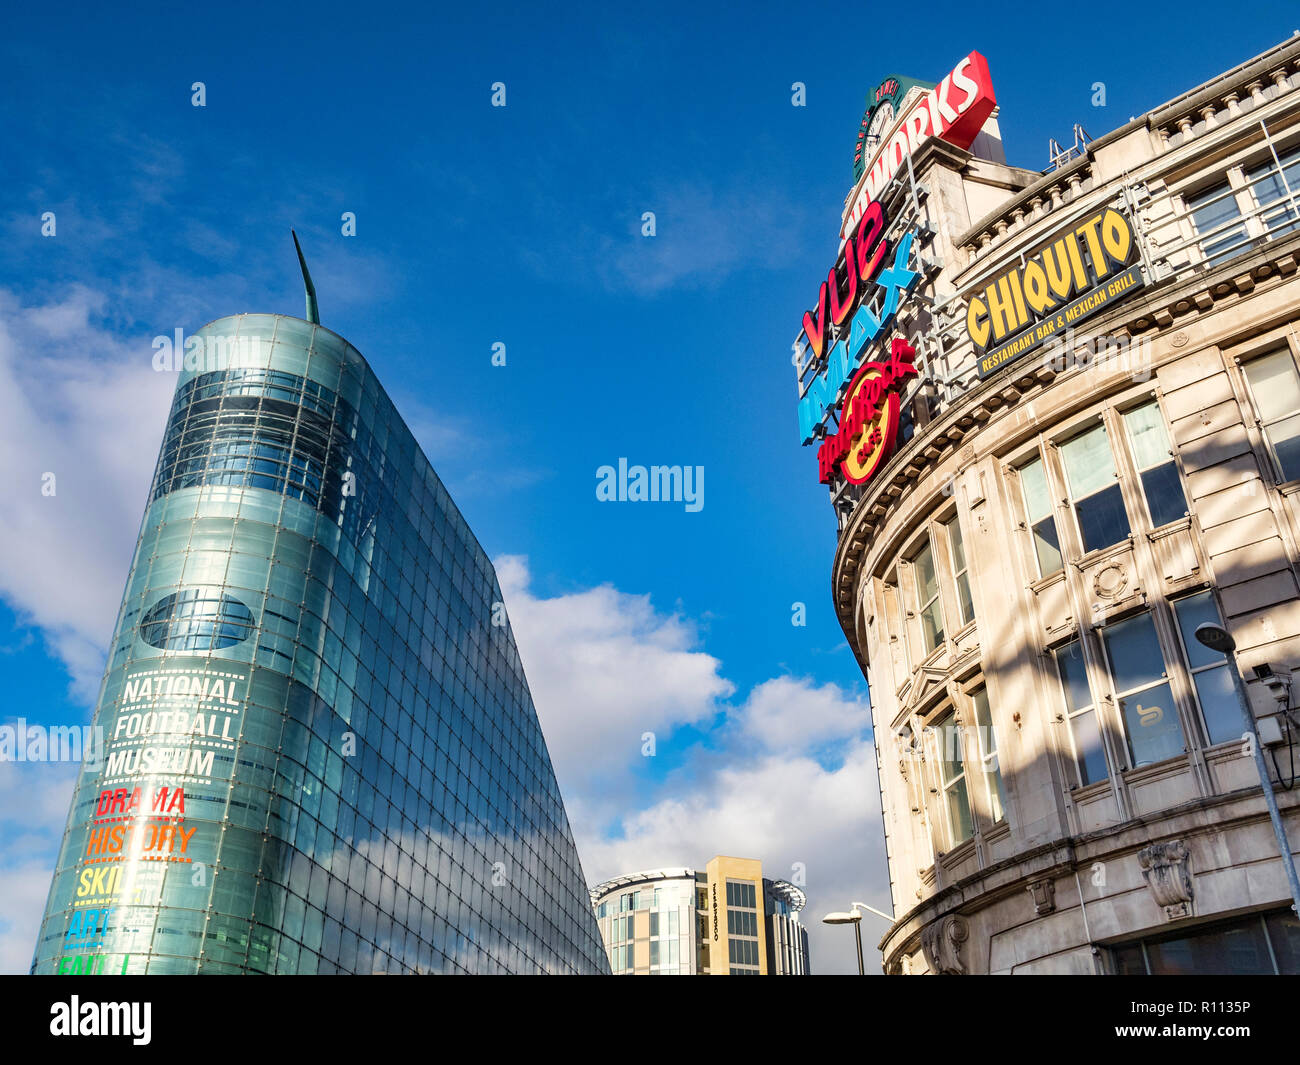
1088,444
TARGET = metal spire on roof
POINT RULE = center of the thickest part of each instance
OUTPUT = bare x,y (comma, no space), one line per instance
313,312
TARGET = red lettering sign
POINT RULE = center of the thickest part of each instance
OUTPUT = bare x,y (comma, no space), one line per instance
864,255
954,110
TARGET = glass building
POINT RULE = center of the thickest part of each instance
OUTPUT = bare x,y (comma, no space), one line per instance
320,750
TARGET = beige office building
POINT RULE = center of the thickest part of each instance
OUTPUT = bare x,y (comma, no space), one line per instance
724,920
1099,450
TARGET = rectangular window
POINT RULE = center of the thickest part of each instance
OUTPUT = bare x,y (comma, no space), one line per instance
1258,945
952,774
1094,489
895,607
1215,692
929,608
1146,704
1281,187
1085,729
1154,459
741,893
1218,222
988,748
961,572
1038,508
1276,388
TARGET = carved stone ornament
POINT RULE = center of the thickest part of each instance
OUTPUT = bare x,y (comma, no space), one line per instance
1043,893
1110,581
942,942
1166,867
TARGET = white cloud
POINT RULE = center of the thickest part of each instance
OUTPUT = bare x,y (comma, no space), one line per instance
604,668
77,402
789,712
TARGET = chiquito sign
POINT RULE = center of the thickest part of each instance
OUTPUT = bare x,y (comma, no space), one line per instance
845,322
1080,271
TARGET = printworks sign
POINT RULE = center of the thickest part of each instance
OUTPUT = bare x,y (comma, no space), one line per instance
955,110
847,318
1076,274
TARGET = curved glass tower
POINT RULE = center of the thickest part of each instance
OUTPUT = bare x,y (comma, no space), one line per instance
320,750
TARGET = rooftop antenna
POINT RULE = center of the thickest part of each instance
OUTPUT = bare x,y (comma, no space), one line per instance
313,313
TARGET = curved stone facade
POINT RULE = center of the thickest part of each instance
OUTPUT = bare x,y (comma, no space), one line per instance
1065,778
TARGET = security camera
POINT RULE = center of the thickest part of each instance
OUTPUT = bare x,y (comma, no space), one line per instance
1277,684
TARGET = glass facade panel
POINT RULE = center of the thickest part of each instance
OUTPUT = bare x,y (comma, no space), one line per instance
929,608
1094,489
1146,703
1154,459
1275,385
1218,220
1272,185
1239,950
961,571
1215,691
1038,508
1284,933
952,771
1085,731
1256,945
320,735
988,745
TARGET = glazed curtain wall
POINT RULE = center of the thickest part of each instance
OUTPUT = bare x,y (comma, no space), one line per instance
322,755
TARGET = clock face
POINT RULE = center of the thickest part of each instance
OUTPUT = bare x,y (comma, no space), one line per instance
876,120
880,122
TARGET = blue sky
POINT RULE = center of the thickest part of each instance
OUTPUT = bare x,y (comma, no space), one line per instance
520,225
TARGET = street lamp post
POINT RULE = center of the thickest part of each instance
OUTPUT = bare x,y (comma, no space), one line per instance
854,917
1217,638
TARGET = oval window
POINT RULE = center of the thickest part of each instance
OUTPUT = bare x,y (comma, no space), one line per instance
196,619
